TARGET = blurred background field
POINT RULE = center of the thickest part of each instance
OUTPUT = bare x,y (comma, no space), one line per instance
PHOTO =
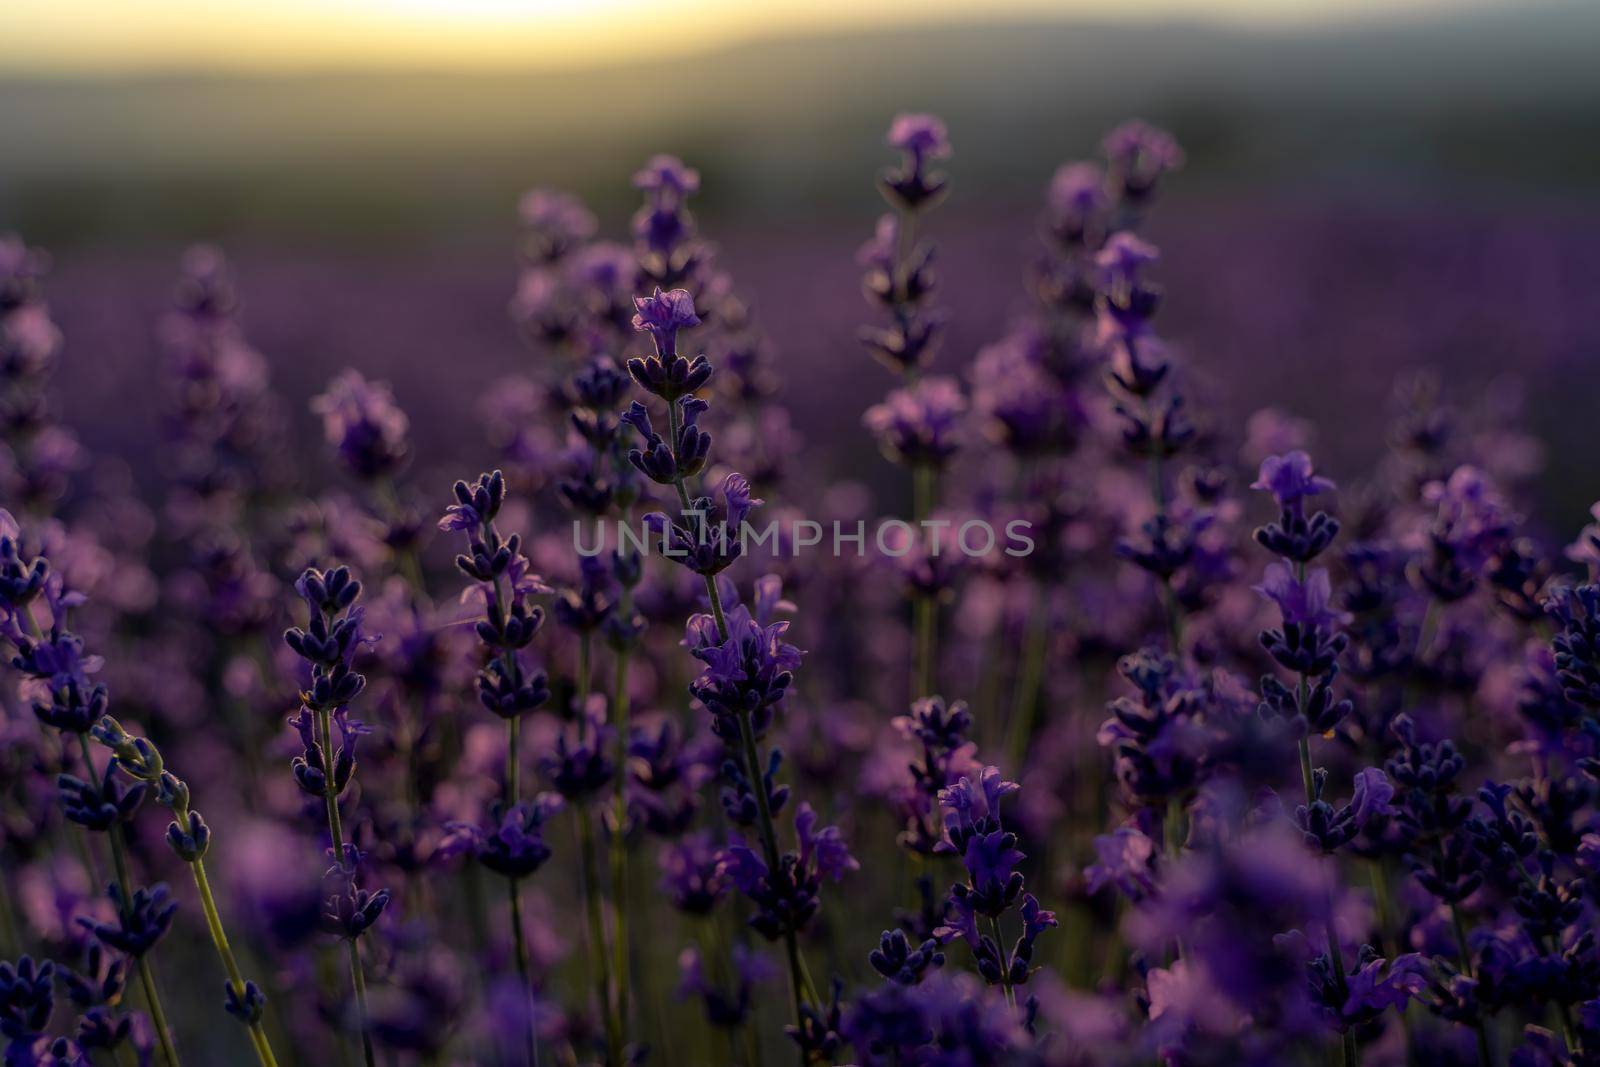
1367,190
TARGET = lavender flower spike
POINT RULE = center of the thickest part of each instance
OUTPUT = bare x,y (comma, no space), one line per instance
328,644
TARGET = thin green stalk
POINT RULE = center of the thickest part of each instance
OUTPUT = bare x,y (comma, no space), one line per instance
1169,596
924,606
358,980
219,938
1025,699
158,1015
524,969
598,954
8,919
513,761
1005,963
1172,838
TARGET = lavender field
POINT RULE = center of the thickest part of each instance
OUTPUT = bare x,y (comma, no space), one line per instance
1136,613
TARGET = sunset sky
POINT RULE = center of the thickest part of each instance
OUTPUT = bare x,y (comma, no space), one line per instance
117,36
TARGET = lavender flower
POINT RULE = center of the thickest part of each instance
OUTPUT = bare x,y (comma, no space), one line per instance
1139,154
506,586
921,139
360,420
724,1008
919,425
973,832
328,645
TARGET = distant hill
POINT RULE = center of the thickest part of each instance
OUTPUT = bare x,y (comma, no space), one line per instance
1485,100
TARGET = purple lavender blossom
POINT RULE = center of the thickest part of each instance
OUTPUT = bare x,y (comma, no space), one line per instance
360,420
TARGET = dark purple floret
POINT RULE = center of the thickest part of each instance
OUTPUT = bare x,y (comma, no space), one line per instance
361,420
189,838
665,373
921,139
692,875
63,696
1327,828
666,175
748,674
580,767
740,802
1166,542
1076,202
1158,742
100,1029
1371,988
351,911
1290,479
476,505
1138,155
786,897
724,1008
1577,644
27,998
920,424
142,919
248,1006
662,315
1125,860
1431,814
21,579
514,847
896,960
99,809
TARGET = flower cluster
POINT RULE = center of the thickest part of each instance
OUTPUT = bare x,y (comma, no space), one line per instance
328,645
973,831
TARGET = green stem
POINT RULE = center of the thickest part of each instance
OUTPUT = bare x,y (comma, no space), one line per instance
219,938
1172,835
597,933
1005,963
924,606
158,1015
513,761
1025,700
524,969
358,981
1169,596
